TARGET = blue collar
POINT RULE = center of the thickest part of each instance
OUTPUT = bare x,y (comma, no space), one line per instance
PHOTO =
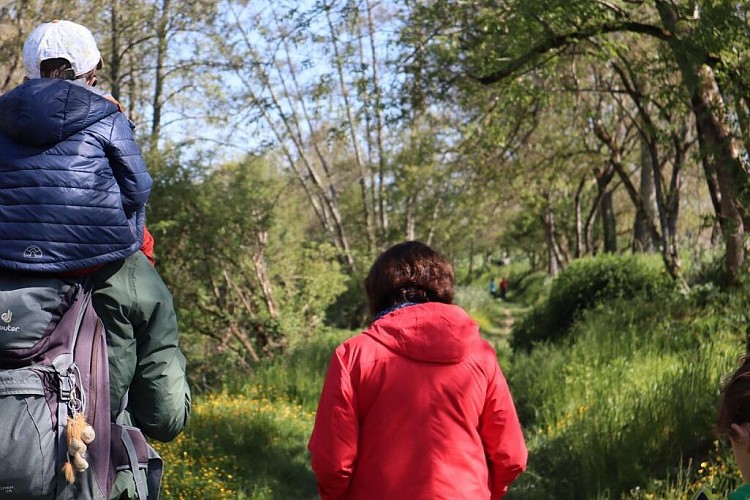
394,308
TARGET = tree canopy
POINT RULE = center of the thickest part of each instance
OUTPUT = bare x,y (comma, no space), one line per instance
293,141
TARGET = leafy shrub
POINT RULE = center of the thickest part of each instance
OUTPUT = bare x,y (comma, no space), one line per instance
710,269
350,309
298,376
629,401
584,284
529,288
524,284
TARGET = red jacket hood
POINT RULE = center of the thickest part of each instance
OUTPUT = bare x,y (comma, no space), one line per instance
431,332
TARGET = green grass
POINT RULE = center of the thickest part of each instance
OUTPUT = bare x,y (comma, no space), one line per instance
627,400
240,446
249,441
621,408
298,377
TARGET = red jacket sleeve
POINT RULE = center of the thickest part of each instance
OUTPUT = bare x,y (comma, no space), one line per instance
148,246
501,435
333,443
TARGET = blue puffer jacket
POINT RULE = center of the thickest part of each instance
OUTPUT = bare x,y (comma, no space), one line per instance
73,183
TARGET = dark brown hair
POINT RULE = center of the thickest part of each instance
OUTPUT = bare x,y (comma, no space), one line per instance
57,68
734,402
408,272
62,69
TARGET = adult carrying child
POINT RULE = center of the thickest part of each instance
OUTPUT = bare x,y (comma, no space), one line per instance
89,334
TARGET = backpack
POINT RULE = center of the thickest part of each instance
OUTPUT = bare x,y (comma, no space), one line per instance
54,383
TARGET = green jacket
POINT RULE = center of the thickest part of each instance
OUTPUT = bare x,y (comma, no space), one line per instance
145,361
741,493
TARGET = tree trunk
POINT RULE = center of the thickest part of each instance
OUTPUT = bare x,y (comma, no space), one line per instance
261,272
666,238
553,260
368,217
114,63
719,151
720,157
609,223
471,258
606,209
643,240
588,231
162,29
379,126
580,249
410,219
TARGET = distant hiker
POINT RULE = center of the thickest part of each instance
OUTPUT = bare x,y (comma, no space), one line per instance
493,288
503,288
416,406
734,421
74,187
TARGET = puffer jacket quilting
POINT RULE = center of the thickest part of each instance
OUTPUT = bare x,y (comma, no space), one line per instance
73,183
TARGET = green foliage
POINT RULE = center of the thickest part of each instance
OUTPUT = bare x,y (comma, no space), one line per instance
584,284
526,233
350,309
212,246
630,400
717,475
247,280
240,446
567,60
309,279
248,441
525,286
479,304
298,376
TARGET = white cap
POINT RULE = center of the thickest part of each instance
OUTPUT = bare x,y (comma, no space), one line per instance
60,39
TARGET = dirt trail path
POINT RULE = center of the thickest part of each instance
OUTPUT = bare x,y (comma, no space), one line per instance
506,323
503,316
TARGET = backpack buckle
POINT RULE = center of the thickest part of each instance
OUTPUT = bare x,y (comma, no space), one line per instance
66,389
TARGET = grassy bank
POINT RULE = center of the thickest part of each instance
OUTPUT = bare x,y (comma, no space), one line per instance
621,401
240,446
249,440
619,405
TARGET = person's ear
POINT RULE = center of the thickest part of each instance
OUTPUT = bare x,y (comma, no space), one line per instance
91,78
741,435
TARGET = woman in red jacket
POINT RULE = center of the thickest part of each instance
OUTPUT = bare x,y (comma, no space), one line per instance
415,407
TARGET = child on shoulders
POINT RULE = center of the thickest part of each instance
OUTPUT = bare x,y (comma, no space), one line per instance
73,182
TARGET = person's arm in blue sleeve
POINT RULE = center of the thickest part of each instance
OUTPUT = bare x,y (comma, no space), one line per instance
128,165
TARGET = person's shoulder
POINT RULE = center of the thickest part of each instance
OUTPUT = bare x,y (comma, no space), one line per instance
101,113
484,350
135,285
484,355
126,270
741,493
356,341
94,95
357,348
